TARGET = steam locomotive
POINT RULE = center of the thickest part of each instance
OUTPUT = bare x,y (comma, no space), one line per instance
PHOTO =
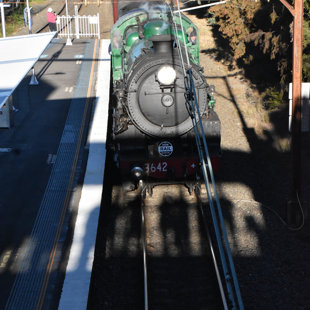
152,131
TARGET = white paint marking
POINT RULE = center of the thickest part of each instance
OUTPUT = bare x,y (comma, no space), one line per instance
69,89
76,284
51,159
78,62
4,259
5,150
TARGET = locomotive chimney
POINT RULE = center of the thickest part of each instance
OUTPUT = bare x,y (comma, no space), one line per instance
162,43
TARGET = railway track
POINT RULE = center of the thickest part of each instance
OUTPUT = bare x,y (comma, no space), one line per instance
185,278
153,252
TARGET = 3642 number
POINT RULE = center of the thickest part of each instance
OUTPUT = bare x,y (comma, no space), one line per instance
156,167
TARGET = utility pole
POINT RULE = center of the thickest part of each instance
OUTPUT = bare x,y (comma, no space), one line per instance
297,12
115,17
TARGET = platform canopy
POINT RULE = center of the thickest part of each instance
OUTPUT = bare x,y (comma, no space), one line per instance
17,56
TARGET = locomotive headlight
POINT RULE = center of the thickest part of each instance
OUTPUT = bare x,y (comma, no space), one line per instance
166,75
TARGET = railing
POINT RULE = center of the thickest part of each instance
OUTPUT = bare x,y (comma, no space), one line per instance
78,26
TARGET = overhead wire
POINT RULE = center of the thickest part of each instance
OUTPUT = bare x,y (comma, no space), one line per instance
281,219
219,227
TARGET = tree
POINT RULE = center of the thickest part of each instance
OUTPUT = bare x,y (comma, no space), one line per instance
306,42
259,35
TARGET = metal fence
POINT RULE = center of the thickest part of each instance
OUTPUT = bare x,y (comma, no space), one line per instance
78,26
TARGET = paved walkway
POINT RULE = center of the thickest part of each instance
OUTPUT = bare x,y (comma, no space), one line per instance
78,274
39,16
40,20
40,173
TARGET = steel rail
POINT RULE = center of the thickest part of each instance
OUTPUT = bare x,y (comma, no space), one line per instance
201,156
212,209
217,271
229,272
199,148
216,213
191,110
142,188
143,241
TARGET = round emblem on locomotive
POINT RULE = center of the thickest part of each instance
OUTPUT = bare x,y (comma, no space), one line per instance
167,101
165,148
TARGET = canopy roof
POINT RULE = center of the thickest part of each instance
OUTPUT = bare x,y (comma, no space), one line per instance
17,56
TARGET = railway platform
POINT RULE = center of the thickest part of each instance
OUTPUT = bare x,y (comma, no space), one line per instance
43,159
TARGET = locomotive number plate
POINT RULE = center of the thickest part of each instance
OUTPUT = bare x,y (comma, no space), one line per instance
156,167
165,148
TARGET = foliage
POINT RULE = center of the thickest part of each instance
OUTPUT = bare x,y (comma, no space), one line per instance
235,22
306,42
14,18
306,54
13,21
307,10
273,98
259,37
211,19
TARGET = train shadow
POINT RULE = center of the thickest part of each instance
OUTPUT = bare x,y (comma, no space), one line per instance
270,259
262,247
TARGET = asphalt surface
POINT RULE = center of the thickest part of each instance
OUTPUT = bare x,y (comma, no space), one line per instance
29,149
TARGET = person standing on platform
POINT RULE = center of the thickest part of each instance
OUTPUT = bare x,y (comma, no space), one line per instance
51,18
